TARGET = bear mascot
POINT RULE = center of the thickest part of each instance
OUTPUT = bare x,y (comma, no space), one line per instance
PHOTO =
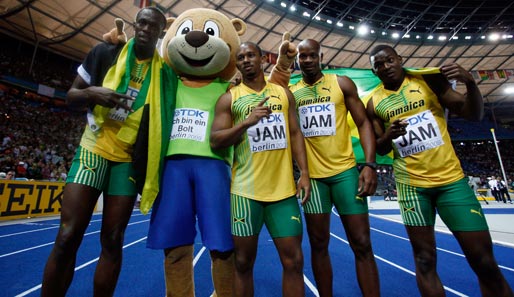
200,46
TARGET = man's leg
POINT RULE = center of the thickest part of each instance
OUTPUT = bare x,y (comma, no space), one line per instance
478,248
77,207
116,215
357,230
245,254
318,227
422,240
291,256
178,271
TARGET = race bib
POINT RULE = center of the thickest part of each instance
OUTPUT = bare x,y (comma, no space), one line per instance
423,134
120,114
268,134
318,119
189,123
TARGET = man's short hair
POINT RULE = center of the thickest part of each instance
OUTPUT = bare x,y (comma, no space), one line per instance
254,44
379,48
155,9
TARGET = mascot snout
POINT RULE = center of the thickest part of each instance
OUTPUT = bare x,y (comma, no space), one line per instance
196,38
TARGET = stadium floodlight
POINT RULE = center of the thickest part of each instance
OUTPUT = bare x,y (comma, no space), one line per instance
363,29
306,14
292,8
494,36
283,4
395,35
509,90
339,24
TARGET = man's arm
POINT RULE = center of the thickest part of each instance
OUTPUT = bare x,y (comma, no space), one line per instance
223,134
469,106
368,175
81,95
298,150
384,137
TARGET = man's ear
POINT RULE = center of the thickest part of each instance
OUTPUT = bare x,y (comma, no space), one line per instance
264,59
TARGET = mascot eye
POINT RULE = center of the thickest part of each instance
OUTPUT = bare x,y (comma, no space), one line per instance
211,28
185,28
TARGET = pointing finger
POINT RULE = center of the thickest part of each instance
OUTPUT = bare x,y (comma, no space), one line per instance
263,101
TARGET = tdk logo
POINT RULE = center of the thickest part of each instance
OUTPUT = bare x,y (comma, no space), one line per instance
316,108
418,119
273,118
189,113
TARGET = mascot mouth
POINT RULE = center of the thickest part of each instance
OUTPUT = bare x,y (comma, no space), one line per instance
197,63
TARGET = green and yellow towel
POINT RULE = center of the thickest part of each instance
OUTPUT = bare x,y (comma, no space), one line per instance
158,91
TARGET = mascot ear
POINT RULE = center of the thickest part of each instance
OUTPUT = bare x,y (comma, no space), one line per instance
239,25
169,21
116,35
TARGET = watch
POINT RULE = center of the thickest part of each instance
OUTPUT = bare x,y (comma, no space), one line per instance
372,165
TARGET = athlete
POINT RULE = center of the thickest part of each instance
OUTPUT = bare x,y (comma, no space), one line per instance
114,82
259,119
323,102
407,112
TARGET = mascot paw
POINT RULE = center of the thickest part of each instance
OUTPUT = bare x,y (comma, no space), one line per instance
286,54
116,35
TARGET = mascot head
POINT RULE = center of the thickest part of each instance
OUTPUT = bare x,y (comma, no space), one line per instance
201,43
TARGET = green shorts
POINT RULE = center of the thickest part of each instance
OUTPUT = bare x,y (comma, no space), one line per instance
282,218
339,190
456,204
113,178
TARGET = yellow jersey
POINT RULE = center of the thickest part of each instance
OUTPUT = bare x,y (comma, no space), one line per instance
323,119
262,168
424,157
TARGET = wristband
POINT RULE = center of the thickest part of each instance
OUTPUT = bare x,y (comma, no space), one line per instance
372,165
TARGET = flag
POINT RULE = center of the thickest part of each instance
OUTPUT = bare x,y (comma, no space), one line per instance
509,72
501,74
483,75
142,3
272,57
